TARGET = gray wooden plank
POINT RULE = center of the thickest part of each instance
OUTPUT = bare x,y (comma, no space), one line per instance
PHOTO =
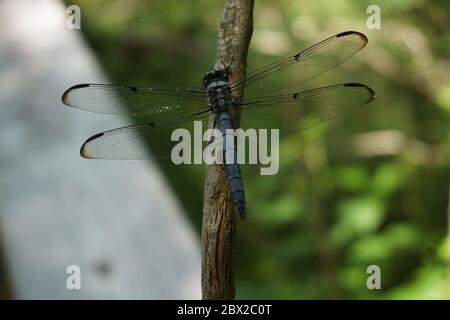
118,220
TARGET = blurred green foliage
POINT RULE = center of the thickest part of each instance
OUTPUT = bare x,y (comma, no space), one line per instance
370,188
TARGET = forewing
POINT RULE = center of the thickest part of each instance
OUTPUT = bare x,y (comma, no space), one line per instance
154,103
303,66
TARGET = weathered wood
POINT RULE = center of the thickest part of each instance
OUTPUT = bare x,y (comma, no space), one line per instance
219,222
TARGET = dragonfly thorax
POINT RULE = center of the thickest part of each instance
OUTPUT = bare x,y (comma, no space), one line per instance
219,93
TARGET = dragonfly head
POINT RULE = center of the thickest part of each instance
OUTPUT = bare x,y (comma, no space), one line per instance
214,76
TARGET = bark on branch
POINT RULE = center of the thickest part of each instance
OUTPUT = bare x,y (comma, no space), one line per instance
218,226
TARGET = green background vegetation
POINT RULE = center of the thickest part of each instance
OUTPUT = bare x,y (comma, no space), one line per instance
369,188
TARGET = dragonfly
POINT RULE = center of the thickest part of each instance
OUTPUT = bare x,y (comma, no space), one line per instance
272,94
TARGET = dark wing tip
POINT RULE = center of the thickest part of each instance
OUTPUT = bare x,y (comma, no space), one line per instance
347,33
95,136
83,151
66,93
369,89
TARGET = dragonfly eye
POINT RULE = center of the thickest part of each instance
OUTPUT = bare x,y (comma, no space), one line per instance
215,75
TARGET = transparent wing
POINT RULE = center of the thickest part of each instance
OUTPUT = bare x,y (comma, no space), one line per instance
155,103
283,112
131,142
304,66
305,109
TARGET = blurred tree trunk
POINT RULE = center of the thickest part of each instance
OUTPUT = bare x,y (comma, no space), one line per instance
448,226
218,227
320,222
5,288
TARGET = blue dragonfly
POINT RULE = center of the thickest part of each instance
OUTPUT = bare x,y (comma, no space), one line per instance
271,94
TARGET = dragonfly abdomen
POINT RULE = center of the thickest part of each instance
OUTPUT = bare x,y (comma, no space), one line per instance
230,159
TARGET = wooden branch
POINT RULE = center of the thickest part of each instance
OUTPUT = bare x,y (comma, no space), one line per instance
218,227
